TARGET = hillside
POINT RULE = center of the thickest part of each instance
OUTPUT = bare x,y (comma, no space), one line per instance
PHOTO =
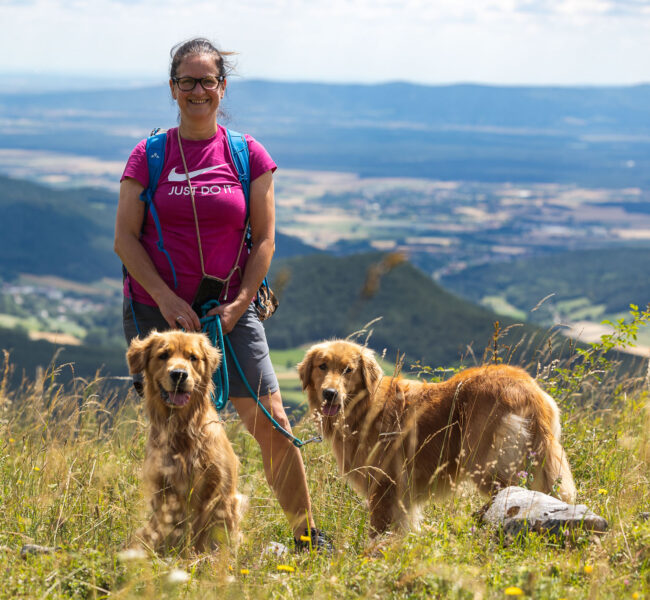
71,472
26,356
325,296
69,233
328,296
611,279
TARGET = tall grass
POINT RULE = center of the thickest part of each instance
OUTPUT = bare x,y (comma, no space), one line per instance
69,478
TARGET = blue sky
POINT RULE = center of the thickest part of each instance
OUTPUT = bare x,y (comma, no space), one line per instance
436,41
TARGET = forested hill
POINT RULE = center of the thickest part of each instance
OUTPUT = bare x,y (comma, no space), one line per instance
69,233
612,278
325,296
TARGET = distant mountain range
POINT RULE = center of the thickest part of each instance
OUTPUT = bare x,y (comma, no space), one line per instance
587,135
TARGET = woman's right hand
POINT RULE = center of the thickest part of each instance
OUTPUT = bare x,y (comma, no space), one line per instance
178,313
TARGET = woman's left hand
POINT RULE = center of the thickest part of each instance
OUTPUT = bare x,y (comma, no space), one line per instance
230,313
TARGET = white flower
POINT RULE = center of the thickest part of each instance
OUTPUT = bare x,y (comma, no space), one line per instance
178,576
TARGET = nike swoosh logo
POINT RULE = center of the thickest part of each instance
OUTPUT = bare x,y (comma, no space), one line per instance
174,176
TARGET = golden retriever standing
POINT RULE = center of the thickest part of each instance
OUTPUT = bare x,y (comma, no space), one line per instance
190,466
399,441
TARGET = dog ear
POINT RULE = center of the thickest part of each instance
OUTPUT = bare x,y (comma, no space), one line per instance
370,369
304,369
212,354
137,356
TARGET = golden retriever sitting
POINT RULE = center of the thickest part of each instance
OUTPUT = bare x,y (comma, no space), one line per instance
190,466
399,442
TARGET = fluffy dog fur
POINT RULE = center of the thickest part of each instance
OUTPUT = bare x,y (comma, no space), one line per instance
398,442
190,466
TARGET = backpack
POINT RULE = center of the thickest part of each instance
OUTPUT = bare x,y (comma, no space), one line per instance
265,300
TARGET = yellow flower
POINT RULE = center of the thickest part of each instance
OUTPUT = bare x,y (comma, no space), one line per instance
588,569
37,469
19,482
286,568
244,571
513,591
636,595
11,440
602,492
230,567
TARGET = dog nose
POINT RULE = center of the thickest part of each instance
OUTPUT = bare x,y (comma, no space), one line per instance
178,376
329,395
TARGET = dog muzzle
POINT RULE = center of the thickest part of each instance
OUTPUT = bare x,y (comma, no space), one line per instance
175,399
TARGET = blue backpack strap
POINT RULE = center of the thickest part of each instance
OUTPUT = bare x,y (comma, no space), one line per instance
155,150
241,157
238,147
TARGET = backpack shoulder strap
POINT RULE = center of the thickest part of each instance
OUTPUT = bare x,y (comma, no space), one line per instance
238,147
155,150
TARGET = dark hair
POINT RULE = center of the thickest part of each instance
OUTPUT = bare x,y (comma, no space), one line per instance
199,46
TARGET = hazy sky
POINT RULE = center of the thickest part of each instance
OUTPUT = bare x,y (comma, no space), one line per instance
429,41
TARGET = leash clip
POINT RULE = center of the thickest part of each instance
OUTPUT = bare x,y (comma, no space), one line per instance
317,438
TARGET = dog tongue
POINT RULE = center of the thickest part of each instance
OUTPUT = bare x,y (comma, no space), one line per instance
329,410
179,398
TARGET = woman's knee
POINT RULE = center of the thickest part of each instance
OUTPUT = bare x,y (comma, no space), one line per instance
256,422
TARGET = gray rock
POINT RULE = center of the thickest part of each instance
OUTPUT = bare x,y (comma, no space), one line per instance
28,549
515,510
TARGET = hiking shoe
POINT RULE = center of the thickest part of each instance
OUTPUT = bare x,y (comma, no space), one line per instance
314,540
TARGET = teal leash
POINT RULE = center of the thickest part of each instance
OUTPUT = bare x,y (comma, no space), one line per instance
212,327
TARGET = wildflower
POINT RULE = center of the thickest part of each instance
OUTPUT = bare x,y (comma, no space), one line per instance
286,568
230,567
513,591
602,491
244,571
132,554
636,596
37,468
178,576
588,569
19,482
11,440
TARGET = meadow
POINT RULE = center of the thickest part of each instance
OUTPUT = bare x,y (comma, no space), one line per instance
70,459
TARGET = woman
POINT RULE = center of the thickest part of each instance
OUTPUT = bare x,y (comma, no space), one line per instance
203,234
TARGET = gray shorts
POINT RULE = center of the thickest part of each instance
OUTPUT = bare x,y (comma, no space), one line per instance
247,338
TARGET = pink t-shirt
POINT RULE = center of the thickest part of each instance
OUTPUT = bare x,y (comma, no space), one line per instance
220,207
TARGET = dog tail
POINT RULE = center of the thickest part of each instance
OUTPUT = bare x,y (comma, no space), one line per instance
553,471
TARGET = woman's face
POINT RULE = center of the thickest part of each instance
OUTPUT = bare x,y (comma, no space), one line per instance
198,104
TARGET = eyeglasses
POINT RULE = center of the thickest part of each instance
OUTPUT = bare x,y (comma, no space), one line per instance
187,84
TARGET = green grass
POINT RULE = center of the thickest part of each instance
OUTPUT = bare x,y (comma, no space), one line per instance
69,477
35,324
580,309
286,360
502,307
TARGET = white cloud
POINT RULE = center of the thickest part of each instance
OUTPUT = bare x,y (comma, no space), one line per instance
501,41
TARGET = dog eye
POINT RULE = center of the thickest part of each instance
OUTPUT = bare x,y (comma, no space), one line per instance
323,367
193,358
163,355
347,370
